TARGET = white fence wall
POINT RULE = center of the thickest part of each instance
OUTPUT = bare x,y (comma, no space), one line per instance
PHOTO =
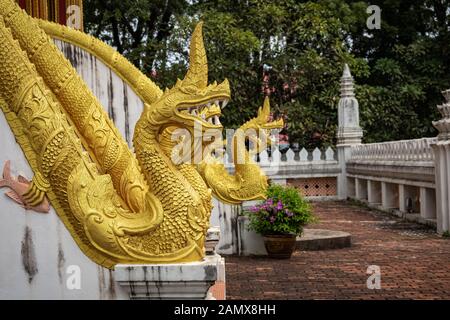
397,176
301,164
417,150
279,168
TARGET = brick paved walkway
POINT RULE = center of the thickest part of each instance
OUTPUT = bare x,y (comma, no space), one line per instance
414,262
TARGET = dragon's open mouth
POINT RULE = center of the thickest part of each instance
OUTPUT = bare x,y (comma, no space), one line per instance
208,112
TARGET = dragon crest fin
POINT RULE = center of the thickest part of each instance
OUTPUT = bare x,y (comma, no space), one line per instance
7,170
197,74
22,179
15,197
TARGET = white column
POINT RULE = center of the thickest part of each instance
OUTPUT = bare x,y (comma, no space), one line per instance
401,198
441,151
442,174
344,153
349,132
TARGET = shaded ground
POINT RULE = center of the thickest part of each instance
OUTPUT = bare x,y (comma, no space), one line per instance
414,262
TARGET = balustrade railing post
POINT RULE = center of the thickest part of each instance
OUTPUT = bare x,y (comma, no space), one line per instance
441,149
349,132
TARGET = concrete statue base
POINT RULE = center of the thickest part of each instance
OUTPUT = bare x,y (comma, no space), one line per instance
190,281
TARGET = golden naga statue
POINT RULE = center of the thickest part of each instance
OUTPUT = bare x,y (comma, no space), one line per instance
120,207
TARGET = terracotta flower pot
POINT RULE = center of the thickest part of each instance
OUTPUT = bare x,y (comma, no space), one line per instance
280,246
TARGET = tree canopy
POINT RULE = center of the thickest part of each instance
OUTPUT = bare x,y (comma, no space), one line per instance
294,51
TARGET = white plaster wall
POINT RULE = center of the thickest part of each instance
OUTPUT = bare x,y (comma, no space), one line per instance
235,238
49,247
225,217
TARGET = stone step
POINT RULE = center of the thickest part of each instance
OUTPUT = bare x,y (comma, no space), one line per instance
322,239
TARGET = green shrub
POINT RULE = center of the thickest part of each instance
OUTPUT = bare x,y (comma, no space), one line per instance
284,212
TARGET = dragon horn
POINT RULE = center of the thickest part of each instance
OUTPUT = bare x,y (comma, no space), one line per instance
264,112
197,74
266,105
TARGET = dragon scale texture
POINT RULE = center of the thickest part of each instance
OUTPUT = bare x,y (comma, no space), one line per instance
119,206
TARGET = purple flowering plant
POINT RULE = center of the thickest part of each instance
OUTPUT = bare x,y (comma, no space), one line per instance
284,211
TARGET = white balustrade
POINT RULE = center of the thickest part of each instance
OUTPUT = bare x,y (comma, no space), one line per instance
403,150
329,154
290,155
264,157
316,154
304,157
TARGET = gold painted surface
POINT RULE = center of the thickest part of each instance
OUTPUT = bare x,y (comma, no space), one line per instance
248,182
120,207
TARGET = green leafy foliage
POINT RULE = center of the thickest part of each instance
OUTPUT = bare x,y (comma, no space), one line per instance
138,29
294,51
284,212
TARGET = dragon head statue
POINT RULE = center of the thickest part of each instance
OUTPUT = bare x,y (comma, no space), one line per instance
191,104
258,130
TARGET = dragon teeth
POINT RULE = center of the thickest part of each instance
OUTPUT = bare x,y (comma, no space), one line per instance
224,103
